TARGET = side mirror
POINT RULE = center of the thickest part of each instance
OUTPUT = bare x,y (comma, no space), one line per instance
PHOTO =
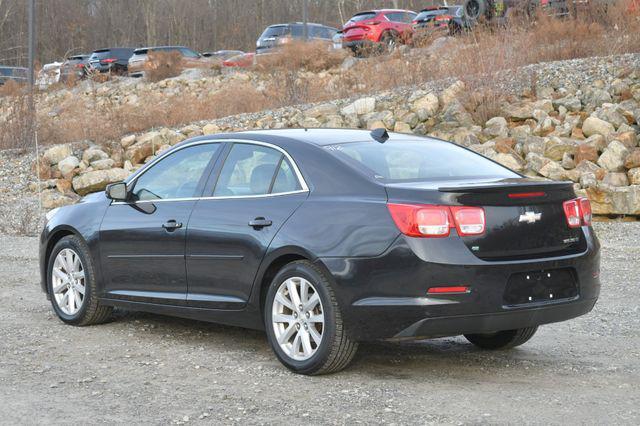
117,191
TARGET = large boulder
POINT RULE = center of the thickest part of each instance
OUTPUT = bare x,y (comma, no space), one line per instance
97,180
496,127
360,106
67,165
146,146
613,158
595,126
57,153
571,103
94,154
584,152
633,159
634,176
426,106
616,179
451,93
606,199
556,147
510,160
321,111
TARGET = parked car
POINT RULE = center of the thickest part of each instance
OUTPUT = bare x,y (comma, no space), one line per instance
326,238
449,19
243,60
74,67
49,74
139,61
378,29
222,55
277,35
17,74
113,60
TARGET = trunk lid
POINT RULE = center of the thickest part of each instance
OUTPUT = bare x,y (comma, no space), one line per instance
524,217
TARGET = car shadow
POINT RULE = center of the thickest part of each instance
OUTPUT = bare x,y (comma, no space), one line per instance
394,360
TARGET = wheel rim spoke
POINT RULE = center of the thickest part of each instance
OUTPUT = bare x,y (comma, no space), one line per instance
68,281
298,318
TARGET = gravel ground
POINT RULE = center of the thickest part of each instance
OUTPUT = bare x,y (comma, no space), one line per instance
151,369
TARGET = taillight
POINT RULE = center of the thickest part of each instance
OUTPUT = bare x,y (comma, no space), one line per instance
577,212
437,221
469,220
585,209
108,61
79,65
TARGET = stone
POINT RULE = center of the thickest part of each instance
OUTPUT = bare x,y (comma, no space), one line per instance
64,186
588,180
608,199
589,167
127,141
634,176
599,142
93,154
595,126
520,132
210,129
402,127
616,179
451,93
510,161
146,146
496,127
385,116
536,161
633,159
556,147
426,107
67,165
571,103
505,145
52,198
465,137
534,144
526,110
310,123
57,153
628,139
360,106
584,152
321,110
567,161
105,164
376,125
553,170
97,180
613,157
456,114
596,97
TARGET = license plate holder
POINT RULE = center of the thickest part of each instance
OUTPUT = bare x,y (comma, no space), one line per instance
541,286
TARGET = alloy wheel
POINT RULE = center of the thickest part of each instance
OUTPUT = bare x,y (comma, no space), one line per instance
68,283
298,318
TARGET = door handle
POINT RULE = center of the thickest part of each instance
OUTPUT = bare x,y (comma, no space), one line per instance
171,225
259,222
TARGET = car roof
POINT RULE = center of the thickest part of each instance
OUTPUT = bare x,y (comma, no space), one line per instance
318,137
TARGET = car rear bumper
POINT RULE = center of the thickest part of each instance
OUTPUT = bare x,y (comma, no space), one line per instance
358,44
386,297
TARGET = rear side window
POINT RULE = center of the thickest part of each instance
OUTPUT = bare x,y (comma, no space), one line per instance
255,170
417,161
275,31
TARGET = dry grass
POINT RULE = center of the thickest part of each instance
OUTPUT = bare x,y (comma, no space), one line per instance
161,65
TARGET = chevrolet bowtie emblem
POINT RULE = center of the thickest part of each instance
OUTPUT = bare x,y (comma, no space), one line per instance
530,217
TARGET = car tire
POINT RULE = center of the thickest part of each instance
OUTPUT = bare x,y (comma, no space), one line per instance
502,339
86,309
389,42
286,336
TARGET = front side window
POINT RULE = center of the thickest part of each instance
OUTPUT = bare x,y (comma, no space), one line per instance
255,170
188,53
417,161
175,176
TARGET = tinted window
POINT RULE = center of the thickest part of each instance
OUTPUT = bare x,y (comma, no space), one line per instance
363,16
250,169
275,31
321,32
429,14
175,176
395,16
417,160
189,53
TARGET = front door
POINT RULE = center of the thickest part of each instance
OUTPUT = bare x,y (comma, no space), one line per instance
142,241
257,190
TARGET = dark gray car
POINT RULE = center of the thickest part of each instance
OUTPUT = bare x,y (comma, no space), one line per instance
18,74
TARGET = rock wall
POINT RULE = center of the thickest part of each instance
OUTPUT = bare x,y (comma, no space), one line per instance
586,134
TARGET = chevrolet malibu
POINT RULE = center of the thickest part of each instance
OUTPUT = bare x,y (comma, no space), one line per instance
327,238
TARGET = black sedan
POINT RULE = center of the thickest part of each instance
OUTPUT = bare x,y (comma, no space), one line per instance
326,238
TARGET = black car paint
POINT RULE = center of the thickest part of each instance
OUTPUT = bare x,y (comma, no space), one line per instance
120,54
379,275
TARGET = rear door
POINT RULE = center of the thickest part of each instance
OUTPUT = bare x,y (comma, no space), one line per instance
252,194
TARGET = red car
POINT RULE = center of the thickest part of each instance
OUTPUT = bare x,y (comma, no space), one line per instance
243,60
383,28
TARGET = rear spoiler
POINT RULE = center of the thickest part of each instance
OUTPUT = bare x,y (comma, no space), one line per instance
510,185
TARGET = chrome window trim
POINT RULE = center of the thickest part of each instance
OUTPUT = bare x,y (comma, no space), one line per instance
134,177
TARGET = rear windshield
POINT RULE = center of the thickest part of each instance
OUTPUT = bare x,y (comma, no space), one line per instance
429,14
417,161
275,31
363,16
